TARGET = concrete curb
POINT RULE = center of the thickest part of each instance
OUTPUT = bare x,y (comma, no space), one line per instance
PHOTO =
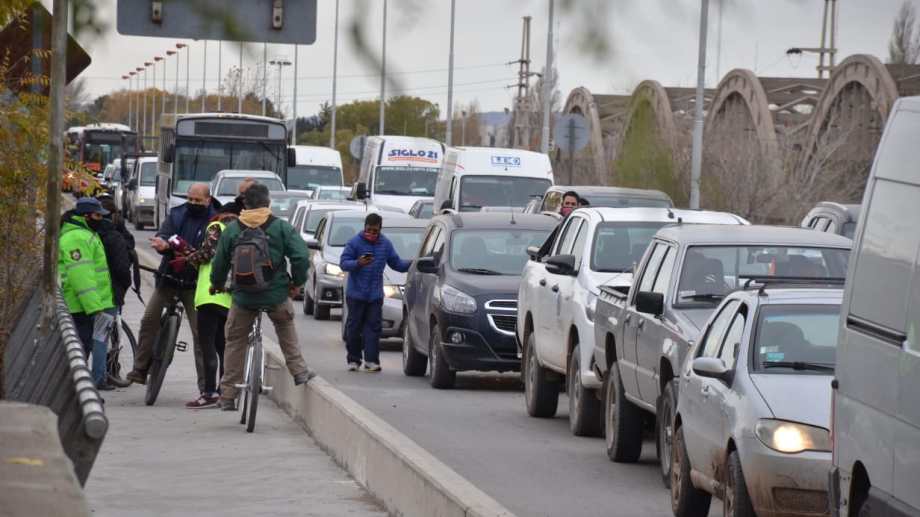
407,479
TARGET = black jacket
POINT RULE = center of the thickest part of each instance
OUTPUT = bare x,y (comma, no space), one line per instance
192,229
118,257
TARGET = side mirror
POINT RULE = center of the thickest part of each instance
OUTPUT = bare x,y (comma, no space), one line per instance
426,265
533,252
313,244
712,368
360,190
291,157
170,153
132,185
445,205
561,265
650,303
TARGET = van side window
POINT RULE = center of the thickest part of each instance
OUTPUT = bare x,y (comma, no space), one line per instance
439,241
897,154
712,342
664,274
733,337
651,269
886,254
568,232
428,245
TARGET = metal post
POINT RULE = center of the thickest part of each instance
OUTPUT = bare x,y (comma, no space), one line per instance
204,75
383,71
55,158
188,90
144,124
128,93
264,76
823,41
335,73
833,49
239,88
294,102
463,128
448,138
176,92
153,99
220,86
697,156
571,152
547,84
165,94
278,103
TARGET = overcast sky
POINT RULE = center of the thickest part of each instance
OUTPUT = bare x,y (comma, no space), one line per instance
654,39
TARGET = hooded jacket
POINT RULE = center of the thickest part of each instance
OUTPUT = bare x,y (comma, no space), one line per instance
84,273
366,283
118,257
192,230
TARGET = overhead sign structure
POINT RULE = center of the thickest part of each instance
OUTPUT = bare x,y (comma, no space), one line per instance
290,22
571,132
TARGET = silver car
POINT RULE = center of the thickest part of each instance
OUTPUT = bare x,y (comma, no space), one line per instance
323,290
753,415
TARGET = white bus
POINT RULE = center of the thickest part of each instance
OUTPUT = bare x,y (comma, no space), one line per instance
397,171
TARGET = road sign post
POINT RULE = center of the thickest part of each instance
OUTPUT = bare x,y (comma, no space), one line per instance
572,135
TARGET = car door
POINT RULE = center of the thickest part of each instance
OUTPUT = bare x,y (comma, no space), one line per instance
316,258
430,282
412,291
547,317
626,351
652,333
635,326
565,305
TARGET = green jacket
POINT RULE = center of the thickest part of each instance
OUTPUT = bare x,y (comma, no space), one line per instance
81,264
284,244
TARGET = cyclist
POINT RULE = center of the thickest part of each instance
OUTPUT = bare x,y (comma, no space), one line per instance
188,221
284,244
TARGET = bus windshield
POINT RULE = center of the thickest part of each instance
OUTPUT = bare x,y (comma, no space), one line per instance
103,147
200,160
477,192
406,181
308,177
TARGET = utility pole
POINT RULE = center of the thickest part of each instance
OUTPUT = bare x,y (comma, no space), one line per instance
450,81
828,28
279,62
463,127
128,78
547,83
239,88
335,73
264,76
204,75
294,102
520,117
697,155
383,71
176,89
188,65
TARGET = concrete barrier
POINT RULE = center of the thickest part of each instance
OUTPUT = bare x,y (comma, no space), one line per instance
404,476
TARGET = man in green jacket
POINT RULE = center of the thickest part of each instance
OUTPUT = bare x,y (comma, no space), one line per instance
85,280
285,244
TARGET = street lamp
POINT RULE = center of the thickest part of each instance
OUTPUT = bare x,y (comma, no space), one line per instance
132,98
176,90
127,78
383,71
335,74
181,46
153,97
279,62
144,119
204,75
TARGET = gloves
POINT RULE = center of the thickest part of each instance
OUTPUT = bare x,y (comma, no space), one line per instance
178,264
179,245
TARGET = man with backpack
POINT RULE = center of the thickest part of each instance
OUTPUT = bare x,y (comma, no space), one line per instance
254,251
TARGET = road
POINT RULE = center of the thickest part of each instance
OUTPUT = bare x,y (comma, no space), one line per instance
535,467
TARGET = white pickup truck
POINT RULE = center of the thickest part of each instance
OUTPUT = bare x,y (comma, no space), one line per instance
594,247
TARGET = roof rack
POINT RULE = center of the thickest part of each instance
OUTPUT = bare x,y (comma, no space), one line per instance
762,282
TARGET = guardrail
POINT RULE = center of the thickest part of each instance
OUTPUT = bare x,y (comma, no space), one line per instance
47,367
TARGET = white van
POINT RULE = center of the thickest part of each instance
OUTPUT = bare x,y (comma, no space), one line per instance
397,171
474,178
315,167
876,408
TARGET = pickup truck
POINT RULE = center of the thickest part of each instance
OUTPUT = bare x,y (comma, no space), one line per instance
594,247
642,337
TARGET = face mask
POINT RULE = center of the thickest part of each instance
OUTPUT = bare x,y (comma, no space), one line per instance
197,210
238,200
371,237
565,211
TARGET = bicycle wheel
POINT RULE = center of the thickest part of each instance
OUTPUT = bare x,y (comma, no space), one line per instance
118,336
162,356
130,335
255,383
244,393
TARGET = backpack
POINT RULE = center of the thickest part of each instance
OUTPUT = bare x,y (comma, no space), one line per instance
251,265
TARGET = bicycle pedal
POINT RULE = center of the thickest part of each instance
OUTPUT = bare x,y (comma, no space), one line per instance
182,346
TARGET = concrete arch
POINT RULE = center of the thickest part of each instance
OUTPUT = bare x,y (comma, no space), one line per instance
582,101
741,87
652,93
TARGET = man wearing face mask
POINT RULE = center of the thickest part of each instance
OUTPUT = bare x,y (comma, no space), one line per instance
570,202
189,222
236,206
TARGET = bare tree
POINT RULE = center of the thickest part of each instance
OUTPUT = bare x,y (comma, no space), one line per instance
904,45
536,101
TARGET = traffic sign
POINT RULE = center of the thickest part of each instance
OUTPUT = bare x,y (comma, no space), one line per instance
270,21
571,132
356,147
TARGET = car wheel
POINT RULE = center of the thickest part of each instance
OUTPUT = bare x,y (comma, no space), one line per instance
584,408
414,363
735,500
540,394
442,377
622,421
320,312
686,499
307,304
138,225
664,426
344,322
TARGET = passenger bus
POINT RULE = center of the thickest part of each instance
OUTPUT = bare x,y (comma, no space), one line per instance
96,145
198,146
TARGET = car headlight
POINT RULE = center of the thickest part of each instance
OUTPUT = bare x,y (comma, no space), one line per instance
455,300
591,306
141,200
334,270
791,437
392,291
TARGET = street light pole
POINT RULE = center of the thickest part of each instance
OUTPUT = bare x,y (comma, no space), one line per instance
128,93
188,78
697,155
165,92
146,66
153,98
463,127
450,78
547,83
335,73
294,102
239,88
279,62
383,71
204,75
264,76
220,86
176,89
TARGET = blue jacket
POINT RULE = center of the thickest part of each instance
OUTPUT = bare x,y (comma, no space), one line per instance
366,283
193,230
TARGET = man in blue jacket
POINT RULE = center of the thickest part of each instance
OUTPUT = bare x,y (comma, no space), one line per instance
365,257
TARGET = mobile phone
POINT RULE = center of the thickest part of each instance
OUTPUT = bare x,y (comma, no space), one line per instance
367,255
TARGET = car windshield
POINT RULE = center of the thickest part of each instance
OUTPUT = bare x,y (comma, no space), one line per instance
600,200
711,272
618,246
313,218
796,338
332,194
200,161
308,177
148,174
406,241
342,230
493,252
406,181
480,191
231,186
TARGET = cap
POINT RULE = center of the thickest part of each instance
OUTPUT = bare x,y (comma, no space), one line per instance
90,205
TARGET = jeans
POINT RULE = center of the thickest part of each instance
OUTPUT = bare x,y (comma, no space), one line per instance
211,321
150,325
95,350
364,321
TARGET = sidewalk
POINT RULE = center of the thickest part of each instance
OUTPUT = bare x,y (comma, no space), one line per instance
166,460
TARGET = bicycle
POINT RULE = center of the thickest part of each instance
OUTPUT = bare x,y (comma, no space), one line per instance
254,376
113,359
165,345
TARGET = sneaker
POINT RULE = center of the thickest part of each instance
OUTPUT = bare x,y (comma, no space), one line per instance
105,387
203,401
304,377
118,382
137,377
353,367
227,405
371,367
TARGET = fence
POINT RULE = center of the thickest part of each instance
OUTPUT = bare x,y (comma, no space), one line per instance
48,367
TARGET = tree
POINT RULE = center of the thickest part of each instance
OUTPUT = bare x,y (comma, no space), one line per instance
537,98
904,45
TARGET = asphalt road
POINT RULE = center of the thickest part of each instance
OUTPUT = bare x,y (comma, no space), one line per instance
535,467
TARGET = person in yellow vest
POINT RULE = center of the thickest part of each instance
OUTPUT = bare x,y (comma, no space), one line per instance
212,312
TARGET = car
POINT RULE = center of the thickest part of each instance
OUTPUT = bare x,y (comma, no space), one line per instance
641,338
422,209
308,213
752,423
831,217
226,183
327,193
120,192
284,203
597,196
314,167
461,294
141,190
397,171
406,235
109,173
558,293
876,429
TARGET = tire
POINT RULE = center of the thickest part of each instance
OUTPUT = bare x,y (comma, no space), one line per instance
138,225
442,377
320,312
344,323
622,421
664,430
117,337
244,393
163,354
130,337
686,499
308,305
540,394
584,408
735,500
414,363
255,385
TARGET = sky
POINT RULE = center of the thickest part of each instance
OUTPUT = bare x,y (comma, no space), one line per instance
647,39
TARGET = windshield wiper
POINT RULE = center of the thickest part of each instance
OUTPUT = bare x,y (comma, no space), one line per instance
391,192
478,271
799,365
705,297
